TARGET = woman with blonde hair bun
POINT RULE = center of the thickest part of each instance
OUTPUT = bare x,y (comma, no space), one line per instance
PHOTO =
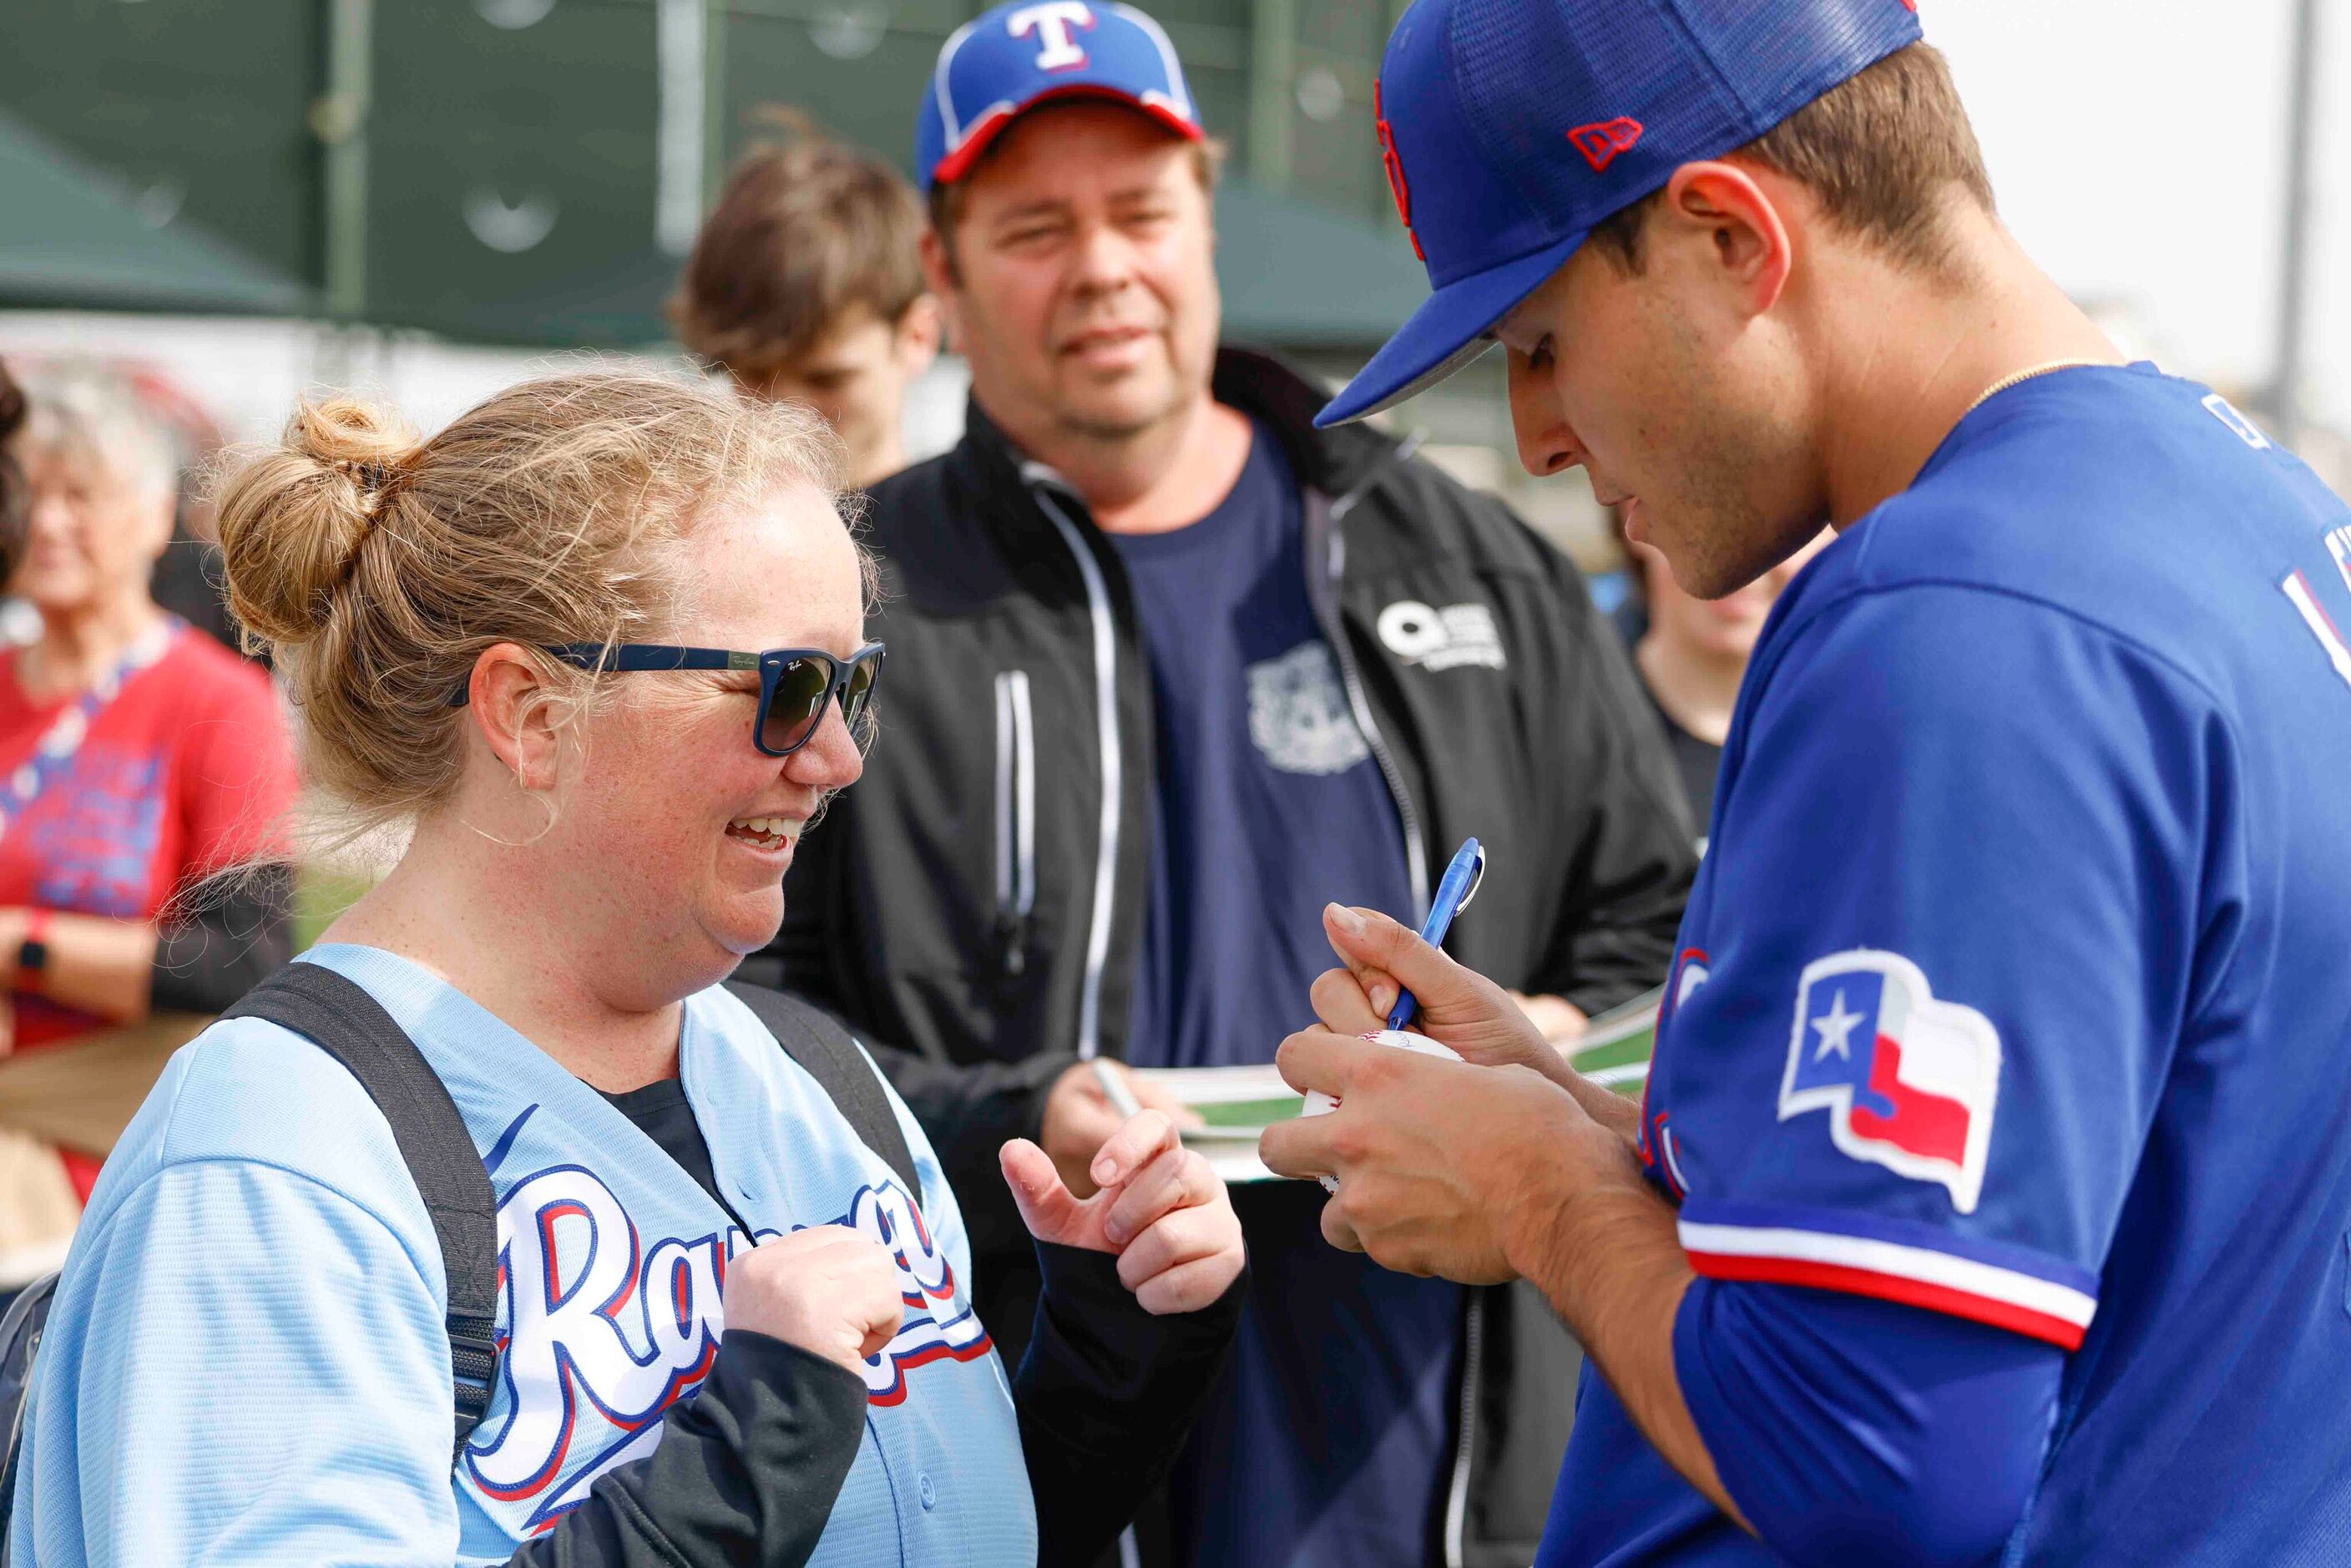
600,643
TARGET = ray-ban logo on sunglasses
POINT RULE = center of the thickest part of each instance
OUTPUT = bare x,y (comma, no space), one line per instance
796,685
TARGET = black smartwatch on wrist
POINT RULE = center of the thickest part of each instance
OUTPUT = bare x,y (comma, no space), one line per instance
33,952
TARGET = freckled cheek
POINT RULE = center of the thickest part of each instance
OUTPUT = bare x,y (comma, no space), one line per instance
687,771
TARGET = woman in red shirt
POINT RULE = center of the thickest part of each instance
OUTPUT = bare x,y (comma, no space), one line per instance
137,757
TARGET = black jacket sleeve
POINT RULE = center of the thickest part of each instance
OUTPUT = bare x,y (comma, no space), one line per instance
748,1470
1106,1396
1631,842
223,939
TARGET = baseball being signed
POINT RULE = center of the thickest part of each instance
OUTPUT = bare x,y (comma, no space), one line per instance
1318,1104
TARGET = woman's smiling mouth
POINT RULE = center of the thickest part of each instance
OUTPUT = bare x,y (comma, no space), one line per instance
765,833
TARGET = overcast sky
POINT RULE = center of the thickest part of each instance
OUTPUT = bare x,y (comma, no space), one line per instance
2138,150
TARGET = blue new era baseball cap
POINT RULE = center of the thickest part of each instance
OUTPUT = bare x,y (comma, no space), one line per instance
1008,60
1511,128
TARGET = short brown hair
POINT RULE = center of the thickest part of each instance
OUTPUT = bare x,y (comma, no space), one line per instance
1881,151
806,229
375,567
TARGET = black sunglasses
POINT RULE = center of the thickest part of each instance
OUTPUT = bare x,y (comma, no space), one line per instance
795,683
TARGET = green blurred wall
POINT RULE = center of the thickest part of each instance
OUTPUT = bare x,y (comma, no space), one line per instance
200,117
491,168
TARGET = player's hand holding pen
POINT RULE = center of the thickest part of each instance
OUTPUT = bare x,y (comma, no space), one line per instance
1435,1159
1482,1022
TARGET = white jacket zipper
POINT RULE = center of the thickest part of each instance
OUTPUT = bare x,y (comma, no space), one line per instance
1016,816
1456,1491
1322,594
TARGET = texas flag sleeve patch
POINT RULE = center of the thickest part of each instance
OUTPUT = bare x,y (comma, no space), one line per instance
1909,1083
1891,1076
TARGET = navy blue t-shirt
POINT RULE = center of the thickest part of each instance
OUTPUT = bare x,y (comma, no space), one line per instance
1268,803
1326,1441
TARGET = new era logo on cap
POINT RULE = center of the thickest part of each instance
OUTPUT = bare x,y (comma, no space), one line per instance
1508,128
1600,143
1008,60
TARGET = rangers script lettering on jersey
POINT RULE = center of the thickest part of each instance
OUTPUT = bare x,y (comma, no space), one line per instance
603,1331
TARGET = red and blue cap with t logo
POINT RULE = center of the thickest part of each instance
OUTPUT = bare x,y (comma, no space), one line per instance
1511,128
1003,63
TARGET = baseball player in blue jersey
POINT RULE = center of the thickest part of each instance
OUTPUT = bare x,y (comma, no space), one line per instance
727,1329
1990,1198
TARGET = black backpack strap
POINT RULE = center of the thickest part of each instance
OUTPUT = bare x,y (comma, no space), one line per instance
825,1047
340,1016
20,1342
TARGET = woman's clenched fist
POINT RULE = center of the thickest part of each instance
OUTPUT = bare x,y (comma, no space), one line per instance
828,1290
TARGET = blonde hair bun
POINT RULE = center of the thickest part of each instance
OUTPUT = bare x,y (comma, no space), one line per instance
293,520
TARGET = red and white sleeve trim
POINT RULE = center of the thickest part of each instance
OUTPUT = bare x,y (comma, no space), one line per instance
1889,1270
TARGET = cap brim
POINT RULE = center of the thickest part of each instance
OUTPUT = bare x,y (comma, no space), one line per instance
1000,118
1446,334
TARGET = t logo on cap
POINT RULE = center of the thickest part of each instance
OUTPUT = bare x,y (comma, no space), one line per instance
1001,64
1052,23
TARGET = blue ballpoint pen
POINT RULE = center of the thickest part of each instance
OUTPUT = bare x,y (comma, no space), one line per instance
1453,895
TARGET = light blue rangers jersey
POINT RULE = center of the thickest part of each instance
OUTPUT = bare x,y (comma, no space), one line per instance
246,1361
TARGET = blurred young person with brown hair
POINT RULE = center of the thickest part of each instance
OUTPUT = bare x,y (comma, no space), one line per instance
805,283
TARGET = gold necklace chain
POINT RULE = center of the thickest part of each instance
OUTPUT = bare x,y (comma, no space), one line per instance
2026,374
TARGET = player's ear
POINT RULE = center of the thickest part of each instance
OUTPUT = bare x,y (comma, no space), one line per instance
1745,238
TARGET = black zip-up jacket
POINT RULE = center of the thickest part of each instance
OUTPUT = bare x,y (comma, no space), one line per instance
978,898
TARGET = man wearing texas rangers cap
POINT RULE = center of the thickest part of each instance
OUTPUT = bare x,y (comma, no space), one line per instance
1990,1196
1172,667
1017,57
